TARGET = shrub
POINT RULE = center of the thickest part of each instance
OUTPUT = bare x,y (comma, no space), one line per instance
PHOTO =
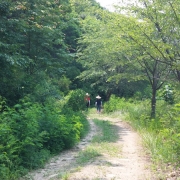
75,100
168,94
116,103
29,133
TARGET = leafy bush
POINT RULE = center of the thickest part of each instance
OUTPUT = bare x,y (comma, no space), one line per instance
167,93
30,132
63,130
75,100
116,103
8,152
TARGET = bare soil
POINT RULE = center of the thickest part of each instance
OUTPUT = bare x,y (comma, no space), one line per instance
130,163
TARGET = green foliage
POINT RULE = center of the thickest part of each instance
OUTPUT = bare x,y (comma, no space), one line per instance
160,149
75,100
22,120
171,130
144,93
116,103
9,149
63,129
30,133
109,132
160,135
87,155
121,51
38,42
167,93
4,7
3,104
165,128
64,84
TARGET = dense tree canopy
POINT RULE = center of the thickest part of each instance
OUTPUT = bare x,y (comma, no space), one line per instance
38,39
134,44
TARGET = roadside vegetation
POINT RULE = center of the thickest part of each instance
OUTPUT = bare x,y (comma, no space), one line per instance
161,134
31,133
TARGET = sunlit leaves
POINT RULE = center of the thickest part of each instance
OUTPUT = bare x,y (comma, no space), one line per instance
36,36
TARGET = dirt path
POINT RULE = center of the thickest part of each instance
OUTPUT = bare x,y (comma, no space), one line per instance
128,161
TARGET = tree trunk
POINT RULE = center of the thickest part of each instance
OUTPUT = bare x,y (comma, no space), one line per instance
178,75
153,103
108,95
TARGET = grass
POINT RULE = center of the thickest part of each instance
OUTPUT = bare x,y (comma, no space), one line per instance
63,176
109,149
102,143
160,150
89,154
154,132
109,132
159,134
105,140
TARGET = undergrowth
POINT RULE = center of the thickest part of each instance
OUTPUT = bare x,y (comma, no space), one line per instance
160,135
31,133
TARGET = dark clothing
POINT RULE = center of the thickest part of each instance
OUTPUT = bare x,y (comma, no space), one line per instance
87,104
98,104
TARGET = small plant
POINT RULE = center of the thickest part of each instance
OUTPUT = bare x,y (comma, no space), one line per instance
63,176
89,154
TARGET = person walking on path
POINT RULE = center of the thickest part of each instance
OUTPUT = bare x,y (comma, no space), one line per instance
87,100
98,104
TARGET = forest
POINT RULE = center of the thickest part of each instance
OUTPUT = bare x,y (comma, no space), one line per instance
53,52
